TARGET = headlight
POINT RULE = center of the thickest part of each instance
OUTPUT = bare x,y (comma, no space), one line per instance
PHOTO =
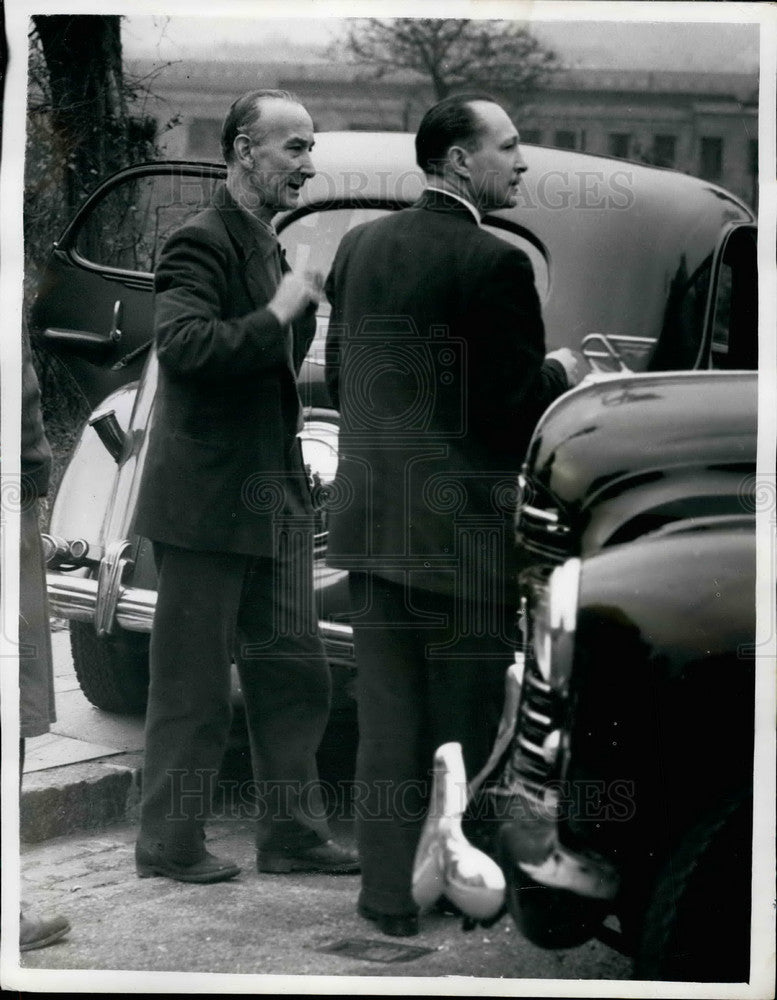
319,439
319,449
553,617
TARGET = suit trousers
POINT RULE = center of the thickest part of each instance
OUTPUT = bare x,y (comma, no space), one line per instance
431,670
36,667
213,607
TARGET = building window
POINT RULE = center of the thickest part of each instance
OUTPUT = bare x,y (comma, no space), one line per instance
664,150
711,158
618,144
533,135
565,140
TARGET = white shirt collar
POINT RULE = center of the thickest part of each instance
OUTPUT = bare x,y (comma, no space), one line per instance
458,197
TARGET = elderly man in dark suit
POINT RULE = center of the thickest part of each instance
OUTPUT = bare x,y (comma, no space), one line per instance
225,500
436,360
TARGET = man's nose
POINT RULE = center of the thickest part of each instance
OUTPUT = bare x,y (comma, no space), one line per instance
307,167
520,164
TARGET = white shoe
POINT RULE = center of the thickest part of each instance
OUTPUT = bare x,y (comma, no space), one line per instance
445,861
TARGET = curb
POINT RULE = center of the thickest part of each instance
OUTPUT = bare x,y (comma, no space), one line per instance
79,797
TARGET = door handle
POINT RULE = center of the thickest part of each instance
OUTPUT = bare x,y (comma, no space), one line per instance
115,334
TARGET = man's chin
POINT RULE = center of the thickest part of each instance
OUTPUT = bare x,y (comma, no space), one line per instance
512,198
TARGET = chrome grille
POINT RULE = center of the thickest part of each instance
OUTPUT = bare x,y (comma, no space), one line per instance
526,771
541,531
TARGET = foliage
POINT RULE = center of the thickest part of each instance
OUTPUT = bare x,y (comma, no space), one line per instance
499,57
85,119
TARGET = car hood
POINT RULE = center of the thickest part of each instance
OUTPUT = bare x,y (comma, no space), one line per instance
639,427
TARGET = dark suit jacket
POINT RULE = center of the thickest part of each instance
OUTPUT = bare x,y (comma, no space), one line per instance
435,358
223,458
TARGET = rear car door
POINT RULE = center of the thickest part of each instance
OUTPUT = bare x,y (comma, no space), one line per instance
94,304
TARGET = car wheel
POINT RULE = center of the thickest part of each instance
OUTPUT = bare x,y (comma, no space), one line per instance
697,925
112,670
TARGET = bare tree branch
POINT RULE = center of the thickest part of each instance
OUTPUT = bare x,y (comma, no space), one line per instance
501,57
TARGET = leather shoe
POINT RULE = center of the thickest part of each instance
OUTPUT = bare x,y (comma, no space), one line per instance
40,933
209,868
326,857
393,924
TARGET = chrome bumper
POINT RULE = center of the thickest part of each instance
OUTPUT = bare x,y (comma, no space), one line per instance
75,598
563,869
530,838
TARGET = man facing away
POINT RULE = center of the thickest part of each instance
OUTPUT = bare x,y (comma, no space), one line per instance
225,500
436,361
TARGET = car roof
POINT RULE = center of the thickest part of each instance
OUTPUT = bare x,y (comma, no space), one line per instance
382,164
615,234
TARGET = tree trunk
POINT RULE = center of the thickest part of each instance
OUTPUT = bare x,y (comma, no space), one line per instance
88,112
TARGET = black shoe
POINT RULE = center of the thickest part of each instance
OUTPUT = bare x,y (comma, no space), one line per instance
393,924
207,869
40,933
327,857
445,906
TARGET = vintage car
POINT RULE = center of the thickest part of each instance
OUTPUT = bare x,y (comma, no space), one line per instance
628,791
629,262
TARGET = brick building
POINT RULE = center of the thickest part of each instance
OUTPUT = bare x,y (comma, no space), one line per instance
701,123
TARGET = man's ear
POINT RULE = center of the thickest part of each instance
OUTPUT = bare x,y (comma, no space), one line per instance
458,161
242,148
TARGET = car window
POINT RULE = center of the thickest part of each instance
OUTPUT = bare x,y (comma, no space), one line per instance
720,329
735,324
127,228
311,241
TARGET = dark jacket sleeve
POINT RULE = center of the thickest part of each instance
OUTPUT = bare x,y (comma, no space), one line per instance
509,375
334,332
35,448
304,328
193,337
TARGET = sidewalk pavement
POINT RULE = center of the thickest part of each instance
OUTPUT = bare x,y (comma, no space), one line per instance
78,825
296,924
85,773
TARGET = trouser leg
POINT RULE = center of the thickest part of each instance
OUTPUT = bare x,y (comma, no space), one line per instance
36,669
427,674
391,784
466,682
286,687
189,712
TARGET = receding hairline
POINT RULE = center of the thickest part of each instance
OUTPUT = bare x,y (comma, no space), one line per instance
260,104
247,112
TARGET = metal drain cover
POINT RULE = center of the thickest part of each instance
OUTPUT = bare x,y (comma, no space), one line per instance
375,951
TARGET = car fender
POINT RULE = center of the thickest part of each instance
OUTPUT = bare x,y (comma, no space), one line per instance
83,500
662,685
635,505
